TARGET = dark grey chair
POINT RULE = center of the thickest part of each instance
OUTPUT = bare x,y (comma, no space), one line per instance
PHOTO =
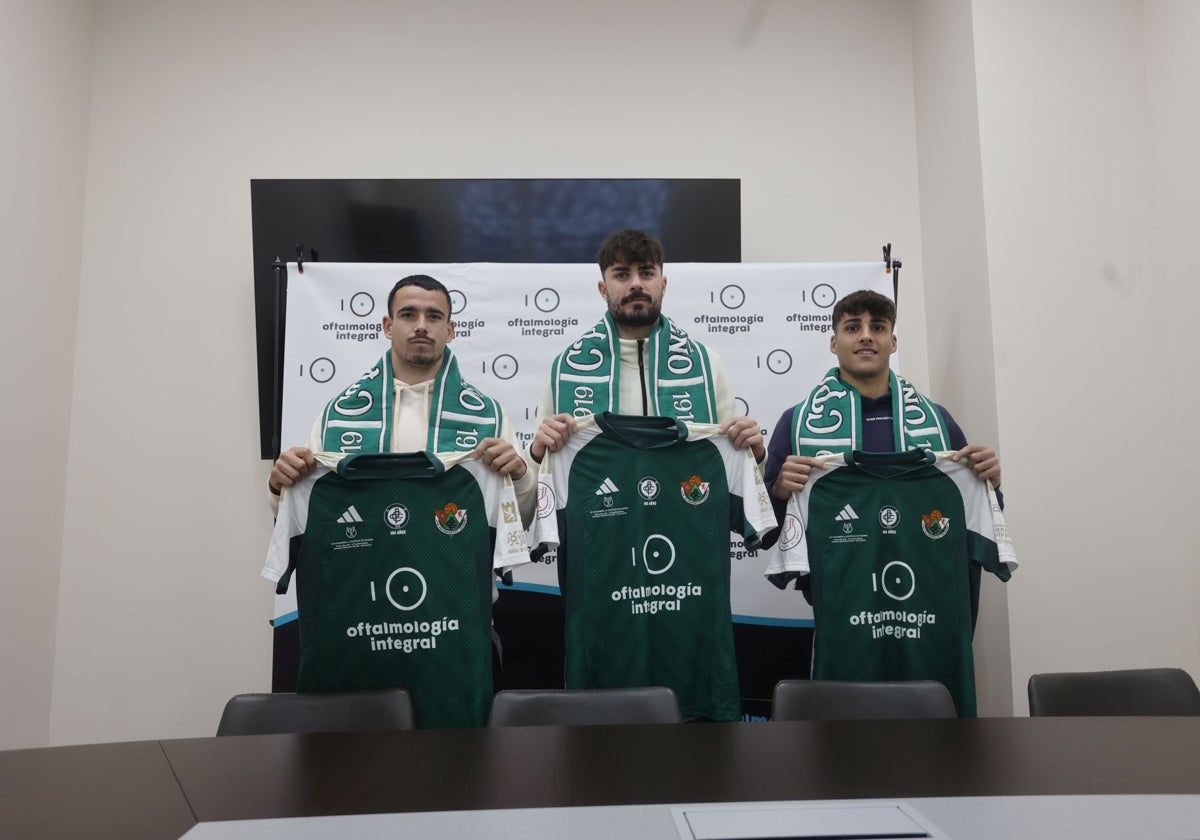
837,700
654,704
1141,691
334,711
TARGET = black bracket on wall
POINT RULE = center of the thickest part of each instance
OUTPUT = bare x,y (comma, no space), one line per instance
892,267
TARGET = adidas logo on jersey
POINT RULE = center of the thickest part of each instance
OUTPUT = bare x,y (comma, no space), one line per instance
847,515
351,515
607,487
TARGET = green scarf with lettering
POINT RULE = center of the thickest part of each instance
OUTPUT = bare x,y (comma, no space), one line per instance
585,379
360,418
830,420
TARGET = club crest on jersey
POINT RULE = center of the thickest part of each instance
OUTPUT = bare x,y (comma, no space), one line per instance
935,525
451,519
694,491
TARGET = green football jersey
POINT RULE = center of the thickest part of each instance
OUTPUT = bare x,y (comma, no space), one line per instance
641,520
394,557
895,543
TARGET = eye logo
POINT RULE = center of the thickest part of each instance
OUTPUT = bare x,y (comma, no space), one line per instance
546,300
824,295
405,588
732,297
362,304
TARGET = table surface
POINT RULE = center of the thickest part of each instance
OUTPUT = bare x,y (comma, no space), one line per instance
160,789
957,818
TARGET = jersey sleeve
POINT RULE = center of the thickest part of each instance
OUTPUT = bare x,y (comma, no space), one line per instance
985,518
750,505
787,559
291,521
505,516
543,533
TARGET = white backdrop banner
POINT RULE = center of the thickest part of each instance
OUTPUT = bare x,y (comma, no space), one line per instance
768,321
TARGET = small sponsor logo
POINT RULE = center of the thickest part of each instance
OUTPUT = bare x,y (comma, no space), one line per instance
607,487
889,518
847,516
545,500
351,515
791,534
396,516
648,489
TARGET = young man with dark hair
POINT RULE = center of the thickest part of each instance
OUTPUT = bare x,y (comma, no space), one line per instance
886,519
864,340
419,327
628,358
398,515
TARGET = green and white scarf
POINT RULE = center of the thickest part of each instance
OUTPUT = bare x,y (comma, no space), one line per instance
585,379
360,418
830,420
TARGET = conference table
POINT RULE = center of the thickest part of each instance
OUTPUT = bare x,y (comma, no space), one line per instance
163,789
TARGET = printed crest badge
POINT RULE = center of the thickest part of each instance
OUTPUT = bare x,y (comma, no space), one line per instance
935,525
889,518
545,500
451,519
396,517
694,491
648,489
792,533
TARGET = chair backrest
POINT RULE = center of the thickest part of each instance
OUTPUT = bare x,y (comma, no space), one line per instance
653,704
1141,691
334,711
836,700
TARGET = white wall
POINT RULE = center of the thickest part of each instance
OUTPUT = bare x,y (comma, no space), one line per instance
955,271
1087,126
161,613
45,73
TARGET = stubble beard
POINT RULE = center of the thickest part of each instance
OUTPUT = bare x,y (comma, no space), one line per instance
644,317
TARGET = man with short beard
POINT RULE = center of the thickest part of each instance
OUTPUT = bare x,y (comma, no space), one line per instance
623,364
641,458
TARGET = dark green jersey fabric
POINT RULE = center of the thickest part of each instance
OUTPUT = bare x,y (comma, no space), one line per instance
642,526
394,560
895,544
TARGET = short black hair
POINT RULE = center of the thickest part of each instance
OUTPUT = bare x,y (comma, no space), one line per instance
630,246
421,281
864,300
